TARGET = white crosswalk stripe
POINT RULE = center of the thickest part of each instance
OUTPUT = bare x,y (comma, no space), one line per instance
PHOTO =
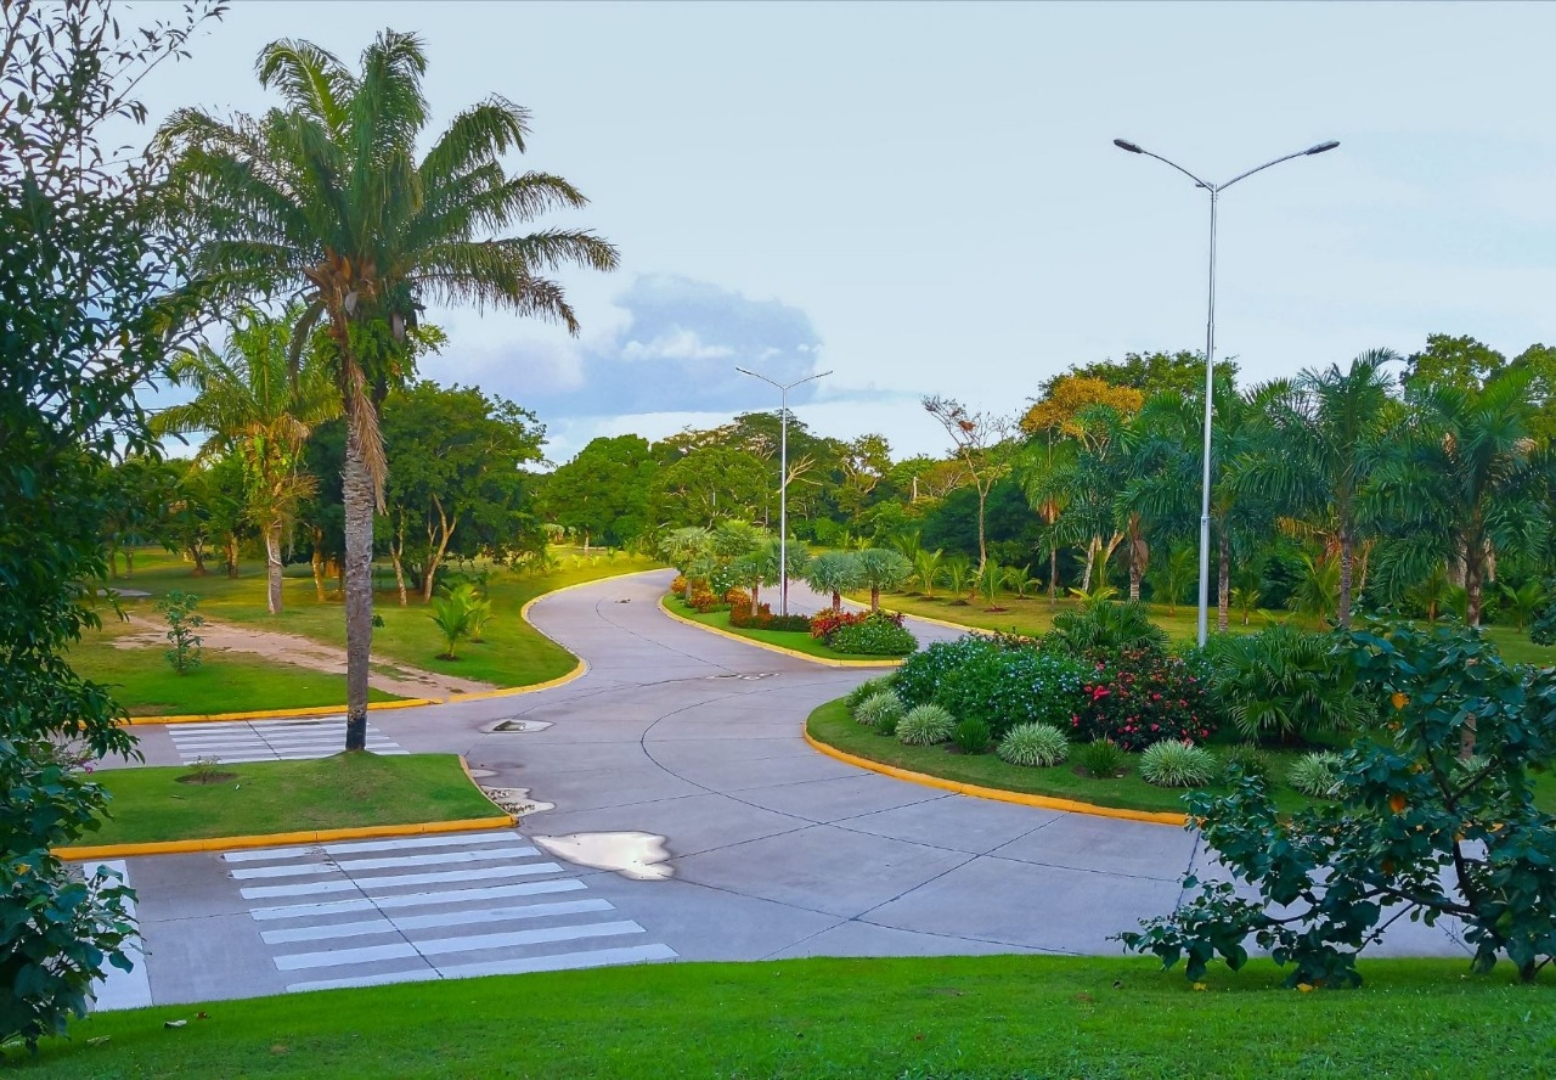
236,742
412,904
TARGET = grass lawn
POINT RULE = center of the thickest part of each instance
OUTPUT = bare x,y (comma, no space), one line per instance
144,683
832,725
1033,617
965,1017
514,653
282,796
799,641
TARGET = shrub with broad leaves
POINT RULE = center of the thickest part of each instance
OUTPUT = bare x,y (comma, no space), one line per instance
879,634
1140,697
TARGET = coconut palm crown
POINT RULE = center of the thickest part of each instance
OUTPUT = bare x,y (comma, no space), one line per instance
324,199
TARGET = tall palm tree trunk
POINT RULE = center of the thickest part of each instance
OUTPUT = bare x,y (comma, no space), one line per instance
1346,553
1223,585
273,567
357,489
1053,578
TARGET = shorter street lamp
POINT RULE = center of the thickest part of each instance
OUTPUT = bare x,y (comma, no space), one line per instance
1214,190
783,480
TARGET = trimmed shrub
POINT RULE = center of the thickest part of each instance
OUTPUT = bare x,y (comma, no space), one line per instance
972,736
877,707
887,725
1286,682
1247,759
1101,758
737,597
1316,774
1034,746
918,680
1012,684
702,598
824,623
1170,763
866,689
1137,698
678,586
925,725
878,635
792,624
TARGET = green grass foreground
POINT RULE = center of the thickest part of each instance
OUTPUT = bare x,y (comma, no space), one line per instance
799,641
344,791
146,685
831,724
966,1017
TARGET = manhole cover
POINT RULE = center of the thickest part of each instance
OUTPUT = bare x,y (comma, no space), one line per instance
520,726
744,678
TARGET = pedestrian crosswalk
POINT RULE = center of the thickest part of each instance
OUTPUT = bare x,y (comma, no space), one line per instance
232,742
368,912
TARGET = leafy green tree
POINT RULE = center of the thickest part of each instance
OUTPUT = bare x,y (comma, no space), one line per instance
88,314
603,492
684,548
835,572
142,489
881,569
1323,445
1181,373
708,485
1459,362
327,196
454,485
256,408
1457,487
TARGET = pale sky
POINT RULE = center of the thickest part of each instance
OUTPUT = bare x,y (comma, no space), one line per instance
925,198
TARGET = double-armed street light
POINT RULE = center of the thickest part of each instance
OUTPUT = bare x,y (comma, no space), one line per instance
1215,191
783,479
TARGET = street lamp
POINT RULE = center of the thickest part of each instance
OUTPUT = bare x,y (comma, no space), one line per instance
1215,191
783,481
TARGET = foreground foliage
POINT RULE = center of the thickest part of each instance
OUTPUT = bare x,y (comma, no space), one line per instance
1435,817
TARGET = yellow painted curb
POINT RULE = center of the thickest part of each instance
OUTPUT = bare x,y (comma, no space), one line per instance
580,669
822,660
276,714
317,836
1045,802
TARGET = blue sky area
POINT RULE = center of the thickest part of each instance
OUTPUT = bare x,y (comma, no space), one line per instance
925,197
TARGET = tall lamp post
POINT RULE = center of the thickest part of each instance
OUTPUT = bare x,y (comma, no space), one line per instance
783,480
1215,191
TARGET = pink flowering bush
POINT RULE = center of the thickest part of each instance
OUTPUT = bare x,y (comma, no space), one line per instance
1140,697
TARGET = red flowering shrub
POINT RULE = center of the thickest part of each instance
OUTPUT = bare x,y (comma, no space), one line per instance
1140,697
737,598
702,597
679,584
823,623
741,618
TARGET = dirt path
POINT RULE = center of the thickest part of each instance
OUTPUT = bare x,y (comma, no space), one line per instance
389,677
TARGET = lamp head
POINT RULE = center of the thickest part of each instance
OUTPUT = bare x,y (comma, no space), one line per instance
1125,144
1322,147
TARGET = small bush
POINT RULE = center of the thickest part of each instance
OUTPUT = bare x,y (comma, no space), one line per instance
703,599
887,725
866,689
1247,759
1137,698
1011,683
1170,763
1101,758
1034,746
678,586
921,675
737,597
876,708
1316,774
793,624
824,623
878,635
1102,626
972,736
178,608
925,725
1286,682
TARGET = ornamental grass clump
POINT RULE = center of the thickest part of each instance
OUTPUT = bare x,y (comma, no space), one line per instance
1170,763
1035,746
1247,759
879,707
1317,774
972,736
1102,759
865,690
925,725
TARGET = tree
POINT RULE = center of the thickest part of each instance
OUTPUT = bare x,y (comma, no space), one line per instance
603,492
710,484
1182,372
88,288
1460,362
836,572
326,197
881,568
257,409
1457,487
1067,396
1323,445
141,490
454,455
1173,575
978,441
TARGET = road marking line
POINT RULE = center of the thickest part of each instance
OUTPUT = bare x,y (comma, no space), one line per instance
346,866
412,900
367,885
439,946
464,917
348,847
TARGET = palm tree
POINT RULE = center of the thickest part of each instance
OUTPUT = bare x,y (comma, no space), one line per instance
1043,469
1459,488
881,568
247,398
959,577
1172,575
834,572
1325,442
1018,579
926,570
325,198
683,548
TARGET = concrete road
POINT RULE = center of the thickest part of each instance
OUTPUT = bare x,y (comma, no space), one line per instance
690,821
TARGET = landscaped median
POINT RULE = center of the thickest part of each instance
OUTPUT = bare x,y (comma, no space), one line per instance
974,1017
796,643
184,807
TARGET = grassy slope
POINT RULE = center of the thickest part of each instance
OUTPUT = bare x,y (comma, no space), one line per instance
514,653
788,639
1033,617
967,1017
144,683
281,796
